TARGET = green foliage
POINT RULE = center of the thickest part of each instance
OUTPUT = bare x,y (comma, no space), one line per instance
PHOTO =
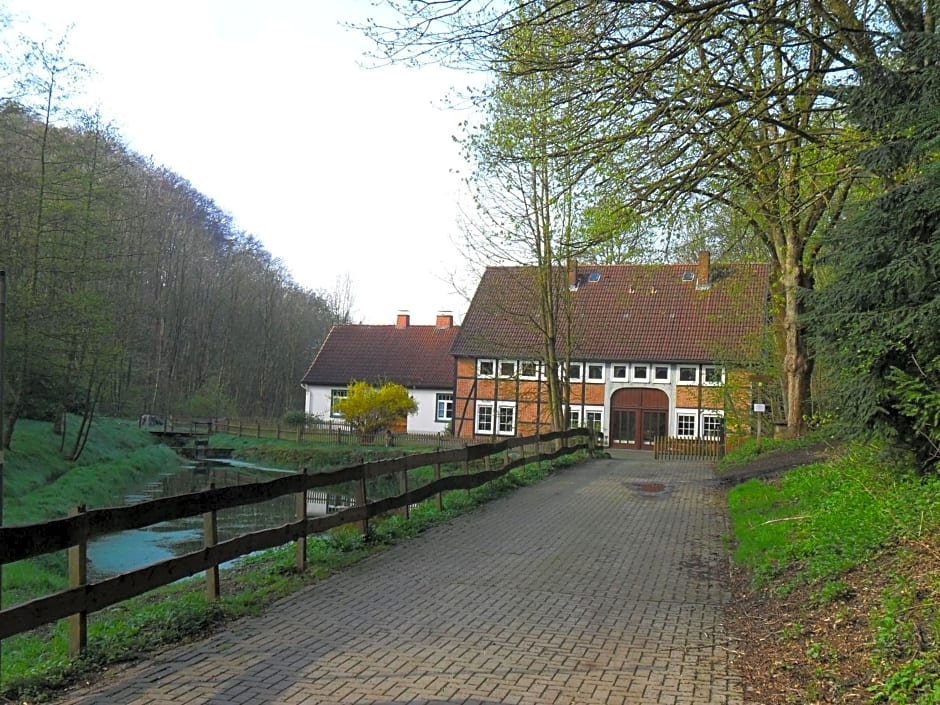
877,321
916,683
296,418
369,410
209,401
822,519
902,637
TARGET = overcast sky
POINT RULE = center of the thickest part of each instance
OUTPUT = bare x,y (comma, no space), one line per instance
264,107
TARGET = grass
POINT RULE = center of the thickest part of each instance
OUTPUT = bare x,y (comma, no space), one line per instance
823,526
35,665
821,520
748,450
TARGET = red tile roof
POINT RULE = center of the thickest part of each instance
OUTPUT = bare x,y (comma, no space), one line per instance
417,357
624,312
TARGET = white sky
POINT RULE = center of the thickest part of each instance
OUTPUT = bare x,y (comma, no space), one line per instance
264,107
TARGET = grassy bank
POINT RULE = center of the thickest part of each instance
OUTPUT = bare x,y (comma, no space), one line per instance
39,484
35,665
844,567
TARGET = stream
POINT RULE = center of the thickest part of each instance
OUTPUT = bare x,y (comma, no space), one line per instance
128,550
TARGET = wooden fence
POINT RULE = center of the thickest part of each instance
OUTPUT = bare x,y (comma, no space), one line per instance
73,533
670,448
330,432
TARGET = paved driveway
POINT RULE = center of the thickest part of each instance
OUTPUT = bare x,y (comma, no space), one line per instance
600,585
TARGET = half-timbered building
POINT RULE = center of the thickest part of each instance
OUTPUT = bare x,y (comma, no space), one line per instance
646,350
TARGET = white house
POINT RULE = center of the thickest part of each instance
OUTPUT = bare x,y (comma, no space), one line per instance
416,357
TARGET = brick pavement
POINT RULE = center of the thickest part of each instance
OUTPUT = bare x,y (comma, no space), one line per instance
600,585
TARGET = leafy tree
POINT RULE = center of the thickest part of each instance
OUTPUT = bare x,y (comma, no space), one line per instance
878,318
699,105
370,410
527,188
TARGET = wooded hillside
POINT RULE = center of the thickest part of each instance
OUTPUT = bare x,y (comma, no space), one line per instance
130,292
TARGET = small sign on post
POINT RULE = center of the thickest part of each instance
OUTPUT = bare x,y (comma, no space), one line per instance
759,409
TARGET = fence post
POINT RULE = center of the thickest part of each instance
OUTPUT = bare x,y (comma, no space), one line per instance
210,537
466,467
402,489
361,501
440,496
301,513
538,449
78,566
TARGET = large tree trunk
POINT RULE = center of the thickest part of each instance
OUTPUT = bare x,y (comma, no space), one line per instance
797,362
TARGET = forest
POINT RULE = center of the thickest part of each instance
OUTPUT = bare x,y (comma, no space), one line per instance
128,292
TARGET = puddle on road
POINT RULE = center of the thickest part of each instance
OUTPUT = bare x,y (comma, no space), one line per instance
649,488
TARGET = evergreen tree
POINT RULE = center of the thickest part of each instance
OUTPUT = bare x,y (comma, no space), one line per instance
878,321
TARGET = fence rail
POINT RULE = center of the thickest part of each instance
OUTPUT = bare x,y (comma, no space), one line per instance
330,432
671,448
73,533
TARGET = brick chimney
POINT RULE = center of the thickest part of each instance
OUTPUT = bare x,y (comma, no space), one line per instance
572,273
403,320
703,271
445,319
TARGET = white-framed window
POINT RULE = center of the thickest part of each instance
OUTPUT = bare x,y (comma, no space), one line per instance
661,373
484,417
444,407
713,426
713,375
528,369
507,369
574,417
336,395
685,425
619,372
594,418
498,415
574,371
688,374
641,373
486,368
506,419
595,372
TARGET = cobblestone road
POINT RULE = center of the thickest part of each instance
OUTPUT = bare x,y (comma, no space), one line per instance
600,585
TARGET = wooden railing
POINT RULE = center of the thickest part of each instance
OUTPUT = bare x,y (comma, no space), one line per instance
331,432
670,448
75,531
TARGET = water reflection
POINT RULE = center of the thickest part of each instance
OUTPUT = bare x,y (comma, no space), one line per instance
118,553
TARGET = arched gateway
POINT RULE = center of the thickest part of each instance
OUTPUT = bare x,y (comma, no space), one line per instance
637,416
